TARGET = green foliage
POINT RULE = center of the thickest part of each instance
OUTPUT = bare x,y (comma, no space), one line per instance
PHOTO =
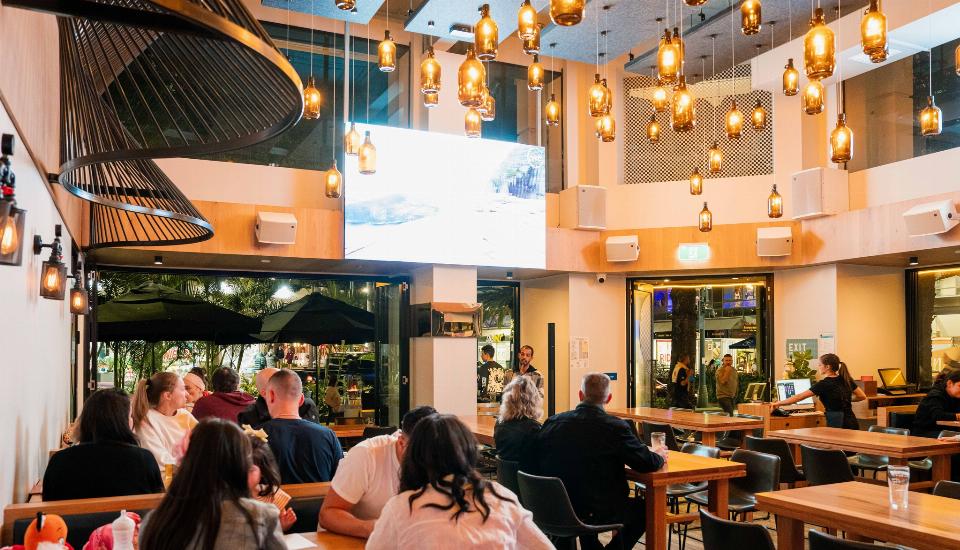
799,365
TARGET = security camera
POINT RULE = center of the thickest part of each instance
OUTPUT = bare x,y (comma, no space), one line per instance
601,278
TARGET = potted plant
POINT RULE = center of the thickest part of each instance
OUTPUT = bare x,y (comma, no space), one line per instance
799,366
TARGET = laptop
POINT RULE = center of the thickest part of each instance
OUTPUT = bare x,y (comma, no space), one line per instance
793,386
894,382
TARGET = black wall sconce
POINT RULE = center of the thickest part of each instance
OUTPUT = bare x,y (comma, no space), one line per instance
12,219
53,274
79,298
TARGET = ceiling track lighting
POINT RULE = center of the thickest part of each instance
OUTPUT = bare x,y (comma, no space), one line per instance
12,219
53,273
705,221
567,13
819,48
873,33
750,17
774,203
486,36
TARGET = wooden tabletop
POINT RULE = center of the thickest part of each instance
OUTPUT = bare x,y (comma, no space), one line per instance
683,468
877,443
348,430
330,541
949,423
481,426
689,420
929,522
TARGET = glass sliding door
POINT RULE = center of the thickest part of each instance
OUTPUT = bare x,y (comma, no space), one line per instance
642,360
392,352
500,329
933,323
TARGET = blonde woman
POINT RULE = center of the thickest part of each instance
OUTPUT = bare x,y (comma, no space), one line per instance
519,421
159,419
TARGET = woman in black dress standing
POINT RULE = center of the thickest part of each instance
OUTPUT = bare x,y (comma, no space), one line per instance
836,391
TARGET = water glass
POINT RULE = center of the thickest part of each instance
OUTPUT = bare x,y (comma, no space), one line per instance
658,440
898,481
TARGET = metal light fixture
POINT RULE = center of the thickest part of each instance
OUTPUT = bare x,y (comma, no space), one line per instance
668,59
598,97
791,79
733,121
841,141
819,48
750,17
312,100
79,299
486,38
430,74
694,3
346,5
535,75
552,111
12,219
387,54
607,127
567,13
715,159
431,100
706,219
470,80
931,121
774,203
472,123
531,45
53,273
333,187
758,117
367,160
813,98
352,140
696,182
683,114
653,129
660,101
873,33
527,21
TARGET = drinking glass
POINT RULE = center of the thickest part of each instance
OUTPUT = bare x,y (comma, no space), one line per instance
898,481
658,440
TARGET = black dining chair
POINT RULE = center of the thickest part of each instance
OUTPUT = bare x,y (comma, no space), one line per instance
763,475
825,466
824,541
922,469
547,499
948,489
375,431
733,440
507,475
862,463
651,427
790,473
722,534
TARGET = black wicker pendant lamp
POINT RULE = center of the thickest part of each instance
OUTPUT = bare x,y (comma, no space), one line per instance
143,79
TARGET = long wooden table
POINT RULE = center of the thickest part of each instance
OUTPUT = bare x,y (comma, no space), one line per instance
863,509
481,426
900,448
707,424
325,540
684,468
949,423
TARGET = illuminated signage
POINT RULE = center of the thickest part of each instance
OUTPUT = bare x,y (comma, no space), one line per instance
693,252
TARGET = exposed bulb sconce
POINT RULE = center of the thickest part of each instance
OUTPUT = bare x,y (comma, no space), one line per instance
79,298
53,273
12,219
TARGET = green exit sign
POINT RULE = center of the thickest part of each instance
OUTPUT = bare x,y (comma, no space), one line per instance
693,252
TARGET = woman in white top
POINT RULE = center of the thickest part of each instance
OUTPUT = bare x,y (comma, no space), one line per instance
159,420
445,503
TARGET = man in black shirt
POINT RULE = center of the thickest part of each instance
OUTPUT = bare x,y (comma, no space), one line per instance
483,371
587,449
525,368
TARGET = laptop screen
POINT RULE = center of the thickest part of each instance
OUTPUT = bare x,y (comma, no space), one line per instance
788,388
892,378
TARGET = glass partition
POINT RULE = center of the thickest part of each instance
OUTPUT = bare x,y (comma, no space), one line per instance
499,329
933,323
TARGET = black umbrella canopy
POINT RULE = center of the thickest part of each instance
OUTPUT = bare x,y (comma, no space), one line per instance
316,319
747,343
153,312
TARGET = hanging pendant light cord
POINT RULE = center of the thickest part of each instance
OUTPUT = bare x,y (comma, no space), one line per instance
840,107
930,53
680,21
367,118
716,85
311,37
598,36
333,140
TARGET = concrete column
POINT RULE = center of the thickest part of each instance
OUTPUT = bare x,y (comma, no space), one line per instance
444,370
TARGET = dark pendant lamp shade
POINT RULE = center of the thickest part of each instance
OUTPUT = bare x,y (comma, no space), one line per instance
53,272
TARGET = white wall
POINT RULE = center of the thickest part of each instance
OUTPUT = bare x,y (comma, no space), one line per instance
544,301
871,318
598,312
35,342
805,306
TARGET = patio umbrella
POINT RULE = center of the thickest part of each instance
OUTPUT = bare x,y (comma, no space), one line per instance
316,319
746,343
153,312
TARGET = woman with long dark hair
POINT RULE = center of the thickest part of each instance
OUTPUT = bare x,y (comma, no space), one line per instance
106,461
445,503
208,504
836,390
942,402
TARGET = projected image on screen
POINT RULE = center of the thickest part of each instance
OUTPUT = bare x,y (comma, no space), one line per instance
440,198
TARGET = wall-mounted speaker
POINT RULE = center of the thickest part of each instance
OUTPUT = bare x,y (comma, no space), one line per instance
774,241
931,218
819,192
276,228
584,207
622,248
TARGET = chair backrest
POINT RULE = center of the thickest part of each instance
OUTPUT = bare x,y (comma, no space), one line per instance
507,474
547,499
822,541
900,419
722,534
825,466
763,471
889,430
651,427
949,489
777,447
692,448
374,431
948,433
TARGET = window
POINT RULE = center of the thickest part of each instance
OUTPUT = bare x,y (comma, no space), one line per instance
933,323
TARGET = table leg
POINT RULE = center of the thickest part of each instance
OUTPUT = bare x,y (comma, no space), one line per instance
941,468
709,438
789,534
656,503
797,455
718,493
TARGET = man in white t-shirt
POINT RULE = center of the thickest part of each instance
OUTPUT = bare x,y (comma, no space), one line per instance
367,477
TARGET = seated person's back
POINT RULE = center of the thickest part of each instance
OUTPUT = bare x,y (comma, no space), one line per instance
517,424
257,414
305,452
226,401
107,461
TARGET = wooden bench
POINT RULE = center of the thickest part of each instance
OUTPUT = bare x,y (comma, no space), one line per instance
306,501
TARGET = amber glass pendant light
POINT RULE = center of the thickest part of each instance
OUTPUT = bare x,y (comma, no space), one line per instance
387,54
813,98
705,222
668,59
367,156
527,21
956,60
873,33
430,73
472,123
488,111
598,97
653,129
567,13
607,127
486,37
715,159
535,75
352,141
683,112
470,80
841,141
552,111
791,79
758,117
819,49
696,182
931,119
750,17
660,101
531,45
733,121
311,100
694,3
431,100
346,5
774,203
333,187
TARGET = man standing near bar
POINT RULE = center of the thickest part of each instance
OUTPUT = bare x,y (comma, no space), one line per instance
526,369
728,383
587,449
